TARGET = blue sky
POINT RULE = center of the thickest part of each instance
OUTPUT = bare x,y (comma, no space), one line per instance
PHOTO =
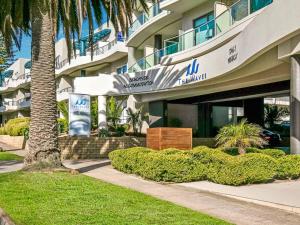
25,51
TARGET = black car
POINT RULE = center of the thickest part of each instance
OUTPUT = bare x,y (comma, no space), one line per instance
272,138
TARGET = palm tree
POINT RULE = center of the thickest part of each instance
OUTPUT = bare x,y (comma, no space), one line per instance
275,113
64,109
241,136
42,19
133,119
114,110
136,119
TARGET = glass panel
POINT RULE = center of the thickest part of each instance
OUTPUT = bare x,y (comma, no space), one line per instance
239,11
223,22
259,4
201,33
143,18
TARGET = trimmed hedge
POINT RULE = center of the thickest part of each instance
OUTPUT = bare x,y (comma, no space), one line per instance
16,127
203,163
275,153
289,167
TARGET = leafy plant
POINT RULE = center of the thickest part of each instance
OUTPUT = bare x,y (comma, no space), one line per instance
114,110
94,113
64,109
17,126
103,132
275,113
241,136
63,125
136,119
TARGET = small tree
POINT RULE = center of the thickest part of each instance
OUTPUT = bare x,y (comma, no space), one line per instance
114,110
136,119
241,136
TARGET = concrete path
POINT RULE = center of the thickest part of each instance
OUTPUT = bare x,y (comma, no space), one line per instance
229,209
10,166
284,194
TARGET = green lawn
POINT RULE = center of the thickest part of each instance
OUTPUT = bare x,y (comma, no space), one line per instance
62,198
9,156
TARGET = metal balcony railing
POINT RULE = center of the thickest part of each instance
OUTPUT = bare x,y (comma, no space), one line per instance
201,34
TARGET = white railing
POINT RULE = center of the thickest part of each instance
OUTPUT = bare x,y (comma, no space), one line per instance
96,51
13,82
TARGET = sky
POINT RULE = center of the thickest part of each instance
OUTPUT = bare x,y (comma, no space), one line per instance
25,51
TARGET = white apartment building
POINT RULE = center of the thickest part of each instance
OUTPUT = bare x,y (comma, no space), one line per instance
205,62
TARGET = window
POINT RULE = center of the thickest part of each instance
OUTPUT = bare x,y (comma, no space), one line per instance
204,28
122,69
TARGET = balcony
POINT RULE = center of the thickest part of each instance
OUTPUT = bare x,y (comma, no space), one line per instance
24,103
108,53
147,24
143,18
233,15
180,6
13,83
8,106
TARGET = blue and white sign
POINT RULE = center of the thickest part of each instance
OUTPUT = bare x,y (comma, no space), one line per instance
79,115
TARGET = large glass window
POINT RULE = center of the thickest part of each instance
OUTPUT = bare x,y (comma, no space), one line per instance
204,28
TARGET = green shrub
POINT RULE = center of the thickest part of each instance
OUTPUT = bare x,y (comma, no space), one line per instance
17,126
63,125
275,153
201,163
127,160
2,131
289,167
245,169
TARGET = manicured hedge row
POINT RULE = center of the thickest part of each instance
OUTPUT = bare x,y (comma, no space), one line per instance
202,163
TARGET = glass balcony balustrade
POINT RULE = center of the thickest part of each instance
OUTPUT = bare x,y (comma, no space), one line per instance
201,34
143,18
96,51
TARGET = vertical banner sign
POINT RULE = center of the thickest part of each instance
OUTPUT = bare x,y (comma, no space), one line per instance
79,115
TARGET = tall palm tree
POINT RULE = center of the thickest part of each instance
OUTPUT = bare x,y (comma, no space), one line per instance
42,19
241,136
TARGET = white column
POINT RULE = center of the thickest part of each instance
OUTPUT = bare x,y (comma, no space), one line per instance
295,105
102,123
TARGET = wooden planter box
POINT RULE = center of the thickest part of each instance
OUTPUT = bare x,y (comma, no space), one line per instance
168,137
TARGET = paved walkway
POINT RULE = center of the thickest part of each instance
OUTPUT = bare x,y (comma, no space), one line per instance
232,210
284,194
10,166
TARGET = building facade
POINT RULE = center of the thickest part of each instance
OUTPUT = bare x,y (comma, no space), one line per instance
205,63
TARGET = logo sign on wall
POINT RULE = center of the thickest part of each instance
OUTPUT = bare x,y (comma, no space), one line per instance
79,115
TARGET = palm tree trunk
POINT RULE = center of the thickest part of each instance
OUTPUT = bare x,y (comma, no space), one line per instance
43,141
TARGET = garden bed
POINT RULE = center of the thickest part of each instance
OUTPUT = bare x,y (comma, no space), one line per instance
203,163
